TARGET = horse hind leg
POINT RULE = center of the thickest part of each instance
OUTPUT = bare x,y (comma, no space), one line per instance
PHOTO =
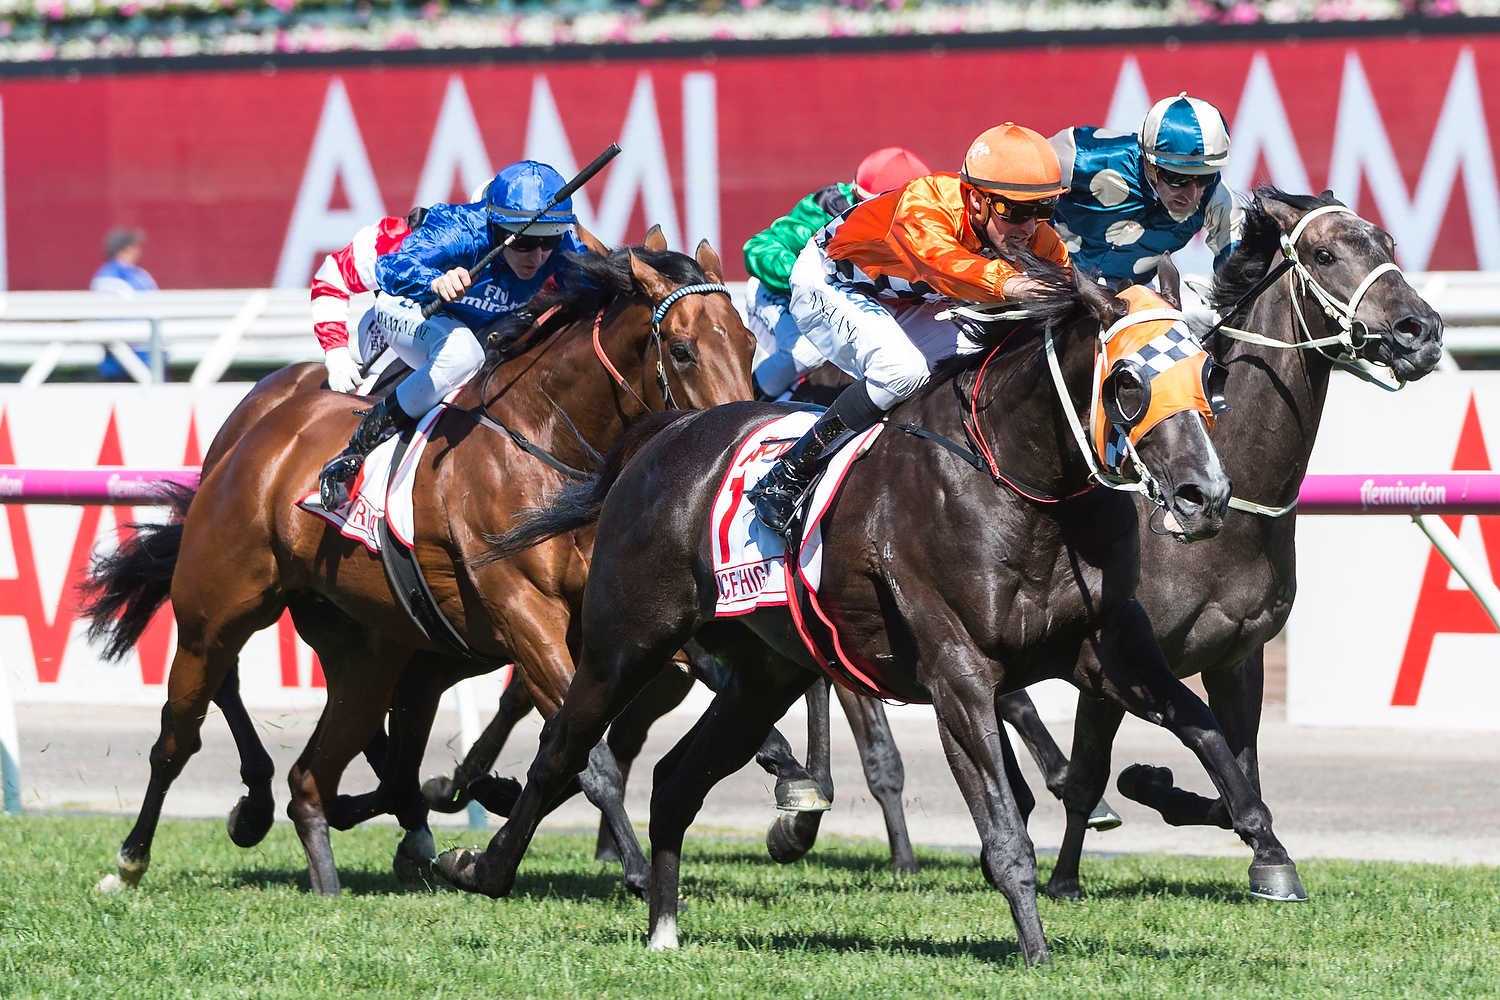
199,669
803,794
251,818
720,743
1019,710
1095,723
627,737
885,773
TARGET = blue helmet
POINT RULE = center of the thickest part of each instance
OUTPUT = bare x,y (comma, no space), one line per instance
520,191
1185,135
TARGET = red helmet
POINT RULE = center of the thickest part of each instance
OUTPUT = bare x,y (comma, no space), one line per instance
887,169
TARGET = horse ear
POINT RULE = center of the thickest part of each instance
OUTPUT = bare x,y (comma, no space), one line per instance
1105,307
588,239
708,259
655,239
1285,216
649,279
1169,281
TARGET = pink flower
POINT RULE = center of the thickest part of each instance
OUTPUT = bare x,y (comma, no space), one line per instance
55,11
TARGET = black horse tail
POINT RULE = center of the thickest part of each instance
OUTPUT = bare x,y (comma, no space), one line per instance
579,502
124,588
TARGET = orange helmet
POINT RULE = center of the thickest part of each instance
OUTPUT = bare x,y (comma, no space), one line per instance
887,169
1014,162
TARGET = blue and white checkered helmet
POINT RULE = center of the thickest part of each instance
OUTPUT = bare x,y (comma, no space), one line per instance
1185,135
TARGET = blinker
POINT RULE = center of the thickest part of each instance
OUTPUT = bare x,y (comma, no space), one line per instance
1215,386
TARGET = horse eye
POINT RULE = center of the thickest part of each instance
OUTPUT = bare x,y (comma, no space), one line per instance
1323,256
682,353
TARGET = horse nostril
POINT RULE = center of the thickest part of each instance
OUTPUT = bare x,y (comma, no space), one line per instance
1413,328
1188,498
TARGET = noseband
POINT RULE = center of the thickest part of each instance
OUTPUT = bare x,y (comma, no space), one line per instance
704,288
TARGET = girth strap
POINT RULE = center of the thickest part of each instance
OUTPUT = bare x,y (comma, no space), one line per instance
408,585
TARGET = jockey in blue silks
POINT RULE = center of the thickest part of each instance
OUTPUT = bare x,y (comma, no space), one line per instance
432,263
1132,199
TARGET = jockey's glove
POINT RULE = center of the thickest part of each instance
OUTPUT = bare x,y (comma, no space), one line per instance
343,371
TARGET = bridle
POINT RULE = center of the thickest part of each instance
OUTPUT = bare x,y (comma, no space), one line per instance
662,384
1353,336
482,414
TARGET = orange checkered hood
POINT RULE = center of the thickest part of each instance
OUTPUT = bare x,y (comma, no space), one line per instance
1152,367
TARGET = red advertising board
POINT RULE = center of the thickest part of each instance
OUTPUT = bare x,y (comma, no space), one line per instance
242,177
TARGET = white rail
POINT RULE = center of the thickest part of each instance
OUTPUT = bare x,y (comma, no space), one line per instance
214,328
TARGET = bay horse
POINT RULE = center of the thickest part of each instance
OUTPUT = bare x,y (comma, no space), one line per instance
244,551
951,587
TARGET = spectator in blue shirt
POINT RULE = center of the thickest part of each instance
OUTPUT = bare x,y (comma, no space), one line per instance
121,273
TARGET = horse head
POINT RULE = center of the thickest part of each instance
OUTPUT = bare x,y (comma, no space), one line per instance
698,345
1156,393
1344,270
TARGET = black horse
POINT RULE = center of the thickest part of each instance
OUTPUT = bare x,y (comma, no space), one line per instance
951,587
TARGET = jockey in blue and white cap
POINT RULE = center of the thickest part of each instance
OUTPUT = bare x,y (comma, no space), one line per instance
1132,199
432,263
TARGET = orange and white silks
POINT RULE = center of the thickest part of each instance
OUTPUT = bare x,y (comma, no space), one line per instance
919,235
1163,368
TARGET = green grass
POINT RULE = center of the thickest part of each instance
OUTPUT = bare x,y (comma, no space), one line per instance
210,920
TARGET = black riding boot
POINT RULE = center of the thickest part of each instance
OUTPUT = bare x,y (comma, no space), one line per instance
778,494
378,423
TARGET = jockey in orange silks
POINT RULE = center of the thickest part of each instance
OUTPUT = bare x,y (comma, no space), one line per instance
867,288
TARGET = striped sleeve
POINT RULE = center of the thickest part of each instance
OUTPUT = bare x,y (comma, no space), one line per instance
349,271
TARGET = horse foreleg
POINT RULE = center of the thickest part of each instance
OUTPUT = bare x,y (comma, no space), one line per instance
1136,675
884,772
251,818
450,794
1019,710
720,743
1094,726
356,709
1234,697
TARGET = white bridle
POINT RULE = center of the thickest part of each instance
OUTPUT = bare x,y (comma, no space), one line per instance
1340,311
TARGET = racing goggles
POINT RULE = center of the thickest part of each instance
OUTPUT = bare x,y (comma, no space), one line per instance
1023,211
1177,181
526,244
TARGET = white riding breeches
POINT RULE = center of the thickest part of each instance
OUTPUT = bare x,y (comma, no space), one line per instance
784,355
442,351
894,352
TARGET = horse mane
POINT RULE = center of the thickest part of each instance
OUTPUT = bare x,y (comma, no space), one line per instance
1057,303
598,281
1259,246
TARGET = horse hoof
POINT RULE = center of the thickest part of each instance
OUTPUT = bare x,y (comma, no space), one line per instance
456,867
498,795
607,853
413,860
1104,817
1138,781
443,795
1066,890
905,866
413,871
128,875
1278,883
801,795
249,821
784,842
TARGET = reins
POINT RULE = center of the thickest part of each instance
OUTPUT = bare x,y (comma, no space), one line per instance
481,412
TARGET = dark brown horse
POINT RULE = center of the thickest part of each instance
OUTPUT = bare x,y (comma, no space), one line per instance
1215,606
953,587
244,551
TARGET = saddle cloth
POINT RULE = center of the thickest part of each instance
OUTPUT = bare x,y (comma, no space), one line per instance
749,559
377,494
